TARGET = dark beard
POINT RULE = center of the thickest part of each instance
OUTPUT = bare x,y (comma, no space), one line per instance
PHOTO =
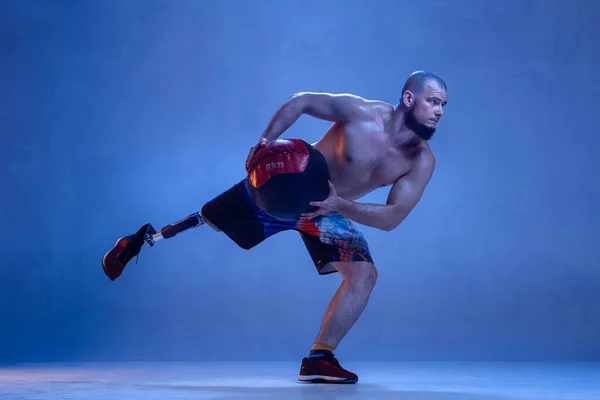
423,131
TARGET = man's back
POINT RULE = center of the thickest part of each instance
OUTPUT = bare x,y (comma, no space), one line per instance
371,144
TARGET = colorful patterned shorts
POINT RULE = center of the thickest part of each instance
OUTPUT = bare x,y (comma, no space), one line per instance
328,238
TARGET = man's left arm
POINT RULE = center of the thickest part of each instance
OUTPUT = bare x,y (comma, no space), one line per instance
403,197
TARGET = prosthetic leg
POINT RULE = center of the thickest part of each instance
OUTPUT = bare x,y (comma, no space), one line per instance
128,247
232,212
191,221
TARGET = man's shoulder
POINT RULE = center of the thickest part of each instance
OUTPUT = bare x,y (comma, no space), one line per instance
426,149
425,161
368,103
375,110
378,106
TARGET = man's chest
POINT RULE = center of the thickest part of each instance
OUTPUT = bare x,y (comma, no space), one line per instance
374,162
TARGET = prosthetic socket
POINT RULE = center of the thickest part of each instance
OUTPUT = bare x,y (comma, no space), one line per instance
192,221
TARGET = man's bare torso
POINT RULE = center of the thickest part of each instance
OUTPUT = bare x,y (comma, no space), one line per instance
363,157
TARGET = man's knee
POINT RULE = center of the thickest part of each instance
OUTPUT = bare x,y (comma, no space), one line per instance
358,272
369,275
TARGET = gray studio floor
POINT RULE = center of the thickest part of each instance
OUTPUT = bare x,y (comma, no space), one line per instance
274,380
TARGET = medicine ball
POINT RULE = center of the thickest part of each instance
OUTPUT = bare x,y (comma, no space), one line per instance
286,175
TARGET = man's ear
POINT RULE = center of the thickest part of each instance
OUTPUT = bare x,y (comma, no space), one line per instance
408,98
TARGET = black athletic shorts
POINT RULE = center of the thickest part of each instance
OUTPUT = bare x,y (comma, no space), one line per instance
328,238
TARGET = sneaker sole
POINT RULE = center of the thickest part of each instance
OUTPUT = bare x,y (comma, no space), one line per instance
106,254
325,379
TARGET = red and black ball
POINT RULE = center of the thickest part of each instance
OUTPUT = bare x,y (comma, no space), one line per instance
286,175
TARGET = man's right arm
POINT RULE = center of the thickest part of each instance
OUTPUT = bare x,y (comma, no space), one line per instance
331,107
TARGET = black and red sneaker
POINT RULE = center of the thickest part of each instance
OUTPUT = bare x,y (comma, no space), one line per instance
115,260
324,368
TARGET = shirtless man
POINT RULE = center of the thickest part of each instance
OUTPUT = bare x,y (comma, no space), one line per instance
370,145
